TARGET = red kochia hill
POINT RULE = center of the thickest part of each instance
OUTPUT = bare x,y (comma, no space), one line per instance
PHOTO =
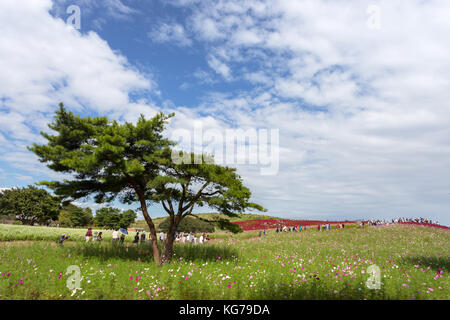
261,224
426,225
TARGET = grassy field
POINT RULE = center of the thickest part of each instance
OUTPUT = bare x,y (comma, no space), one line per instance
10,232
414,264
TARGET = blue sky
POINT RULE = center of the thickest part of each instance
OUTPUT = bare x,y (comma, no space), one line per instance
359,91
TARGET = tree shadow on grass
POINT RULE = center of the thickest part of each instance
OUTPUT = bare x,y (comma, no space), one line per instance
433,262
206,252
144,253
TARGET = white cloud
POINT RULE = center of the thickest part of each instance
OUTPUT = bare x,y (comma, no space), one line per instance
364,114
173,33
44,62
220,67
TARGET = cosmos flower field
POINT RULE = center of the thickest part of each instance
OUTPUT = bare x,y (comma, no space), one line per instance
414,262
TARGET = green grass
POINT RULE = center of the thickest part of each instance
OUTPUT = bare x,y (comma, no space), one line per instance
414,263
10,232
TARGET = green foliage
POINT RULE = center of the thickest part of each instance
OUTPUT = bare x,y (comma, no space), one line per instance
188,224
113,218
200,183
108,159
29,205
225,224
196,182
74,216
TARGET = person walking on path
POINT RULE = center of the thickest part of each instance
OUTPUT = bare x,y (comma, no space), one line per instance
122,238
115,236
99,236
88,235
136,238
143,237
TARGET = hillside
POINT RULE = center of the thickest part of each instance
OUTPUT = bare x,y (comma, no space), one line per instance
248,221
242,217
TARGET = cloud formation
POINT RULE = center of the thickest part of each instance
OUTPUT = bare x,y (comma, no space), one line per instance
363,110
43,62
364,113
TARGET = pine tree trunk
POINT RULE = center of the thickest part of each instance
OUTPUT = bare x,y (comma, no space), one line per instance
168,249
153,237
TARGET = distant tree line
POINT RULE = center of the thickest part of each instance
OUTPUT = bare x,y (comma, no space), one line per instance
113,218
31,205
188,224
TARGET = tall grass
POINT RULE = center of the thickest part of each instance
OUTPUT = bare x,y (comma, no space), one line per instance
414,263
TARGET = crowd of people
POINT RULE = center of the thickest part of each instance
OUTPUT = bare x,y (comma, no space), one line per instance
118,237
94,236
299,228
416,220
88,237
179,237
289,229
191,238
381,222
